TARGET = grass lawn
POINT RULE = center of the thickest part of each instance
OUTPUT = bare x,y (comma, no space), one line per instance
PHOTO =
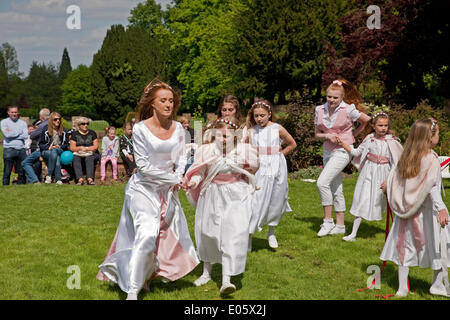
46,229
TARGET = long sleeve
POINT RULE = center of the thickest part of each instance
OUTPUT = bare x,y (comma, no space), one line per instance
181,159
105,144
435,195
145,166
356,152
116,147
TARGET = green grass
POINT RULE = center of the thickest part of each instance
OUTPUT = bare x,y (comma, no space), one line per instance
48,228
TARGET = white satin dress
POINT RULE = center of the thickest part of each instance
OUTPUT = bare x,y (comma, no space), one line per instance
152,239
270,202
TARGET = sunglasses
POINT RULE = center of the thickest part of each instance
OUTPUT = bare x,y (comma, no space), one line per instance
84,123
57,119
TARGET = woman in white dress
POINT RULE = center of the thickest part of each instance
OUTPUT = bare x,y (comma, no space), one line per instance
270,201
374,157
221,184
152,239
420,234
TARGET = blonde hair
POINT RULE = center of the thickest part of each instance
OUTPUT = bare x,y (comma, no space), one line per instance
145,108
228,122
350,93
417,145
264,104
76,122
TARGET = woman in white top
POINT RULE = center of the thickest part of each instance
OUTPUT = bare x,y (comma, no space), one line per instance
153,239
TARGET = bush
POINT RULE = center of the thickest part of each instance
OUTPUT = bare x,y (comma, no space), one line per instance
300,124
312,172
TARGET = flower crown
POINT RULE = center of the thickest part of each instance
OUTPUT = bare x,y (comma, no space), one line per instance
339,83
235,126
260,102
156,85
380,114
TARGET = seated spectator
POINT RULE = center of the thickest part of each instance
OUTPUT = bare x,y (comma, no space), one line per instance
110,152
32,164
15,132
126,149
53,141
84,145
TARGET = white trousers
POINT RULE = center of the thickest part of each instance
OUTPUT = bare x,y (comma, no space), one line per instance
330,179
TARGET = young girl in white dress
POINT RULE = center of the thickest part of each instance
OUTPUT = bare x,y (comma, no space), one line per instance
375,156
220,185
420,233
270,201
152,239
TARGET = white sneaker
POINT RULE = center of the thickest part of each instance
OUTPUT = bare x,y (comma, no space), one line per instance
59,182
401,294
273,243
349,238
227,288
202,280
48,179
338,230
325,229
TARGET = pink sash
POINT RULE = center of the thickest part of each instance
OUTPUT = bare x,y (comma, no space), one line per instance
377,159
269,150
225,178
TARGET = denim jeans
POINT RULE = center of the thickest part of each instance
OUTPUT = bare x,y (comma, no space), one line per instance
28,164
54,162
13,157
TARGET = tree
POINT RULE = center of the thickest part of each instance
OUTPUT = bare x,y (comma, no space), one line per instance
10,81
278,45
127,61
404,55
65,67
147,15
76,93
42,86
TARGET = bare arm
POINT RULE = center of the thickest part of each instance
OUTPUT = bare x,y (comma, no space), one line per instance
287,138
363,120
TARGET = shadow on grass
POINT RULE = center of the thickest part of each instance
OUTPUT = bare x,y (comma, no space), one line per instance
366,229
389,277
260,244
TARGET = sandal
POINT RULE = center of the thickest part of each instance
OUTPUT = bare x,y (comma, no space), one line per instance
90,182
80,182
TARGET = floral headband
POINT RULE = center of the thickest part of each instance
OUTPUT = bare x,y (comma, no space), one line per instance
228,122
156,85
259,102
339,83
380,114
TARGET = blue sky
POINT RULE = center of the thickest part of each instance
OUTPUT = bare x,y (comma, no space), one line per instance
37,28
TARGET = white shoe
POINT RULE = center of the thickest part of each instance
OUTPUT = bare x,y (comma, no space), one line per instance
273,243
48,179
132,296
401,294
349,238
59,182
325,229
439,291
227,288
202,280
338,230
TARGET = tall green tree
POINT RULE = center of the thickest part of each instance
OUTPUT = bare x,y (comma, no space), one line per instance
76,93
278,45
127,61
148,15
65,67
42,86
10,78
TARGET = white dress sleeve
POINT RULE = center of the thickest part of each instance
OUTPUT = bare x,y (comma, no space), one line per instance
435,195
144,164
